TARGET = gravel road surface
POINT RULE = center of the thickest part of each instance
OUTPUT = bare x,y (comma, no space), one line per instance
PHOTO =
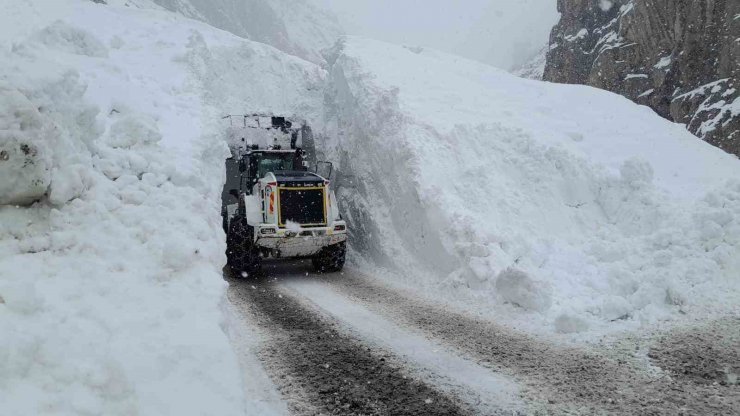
345,343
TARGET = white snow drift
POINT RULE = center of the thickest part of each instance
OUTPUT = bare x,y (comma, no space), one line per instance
562,207
111,167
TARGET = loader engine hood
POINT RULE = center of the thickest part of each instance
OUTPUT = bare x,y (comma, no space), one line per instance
298,178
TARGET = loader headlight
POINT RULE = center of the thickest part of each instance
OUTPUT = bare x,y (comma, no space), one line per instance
268,231
339,227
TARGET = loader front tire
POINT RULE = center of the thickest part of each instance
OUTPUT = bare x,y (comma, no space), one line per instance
242,253
330,259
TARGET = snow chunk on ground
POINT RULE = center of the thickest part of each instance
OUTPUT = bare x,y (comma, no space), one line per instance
61,36
568,324
132,130
606,5
25,156
517,287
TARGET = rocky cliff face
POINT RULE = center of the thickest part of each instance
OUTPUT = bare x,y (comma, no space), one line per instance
680,57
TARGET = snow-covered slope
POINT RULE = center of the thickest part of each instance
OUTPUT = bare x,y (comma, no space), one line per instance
562,207
110,284
296,27
534,67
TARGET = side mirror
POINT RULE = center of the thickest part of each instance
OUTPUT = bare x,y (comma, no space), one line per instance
234,193
324,169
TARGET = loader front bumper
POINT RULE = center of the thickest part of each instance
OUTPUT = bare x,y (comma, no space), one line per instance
283,243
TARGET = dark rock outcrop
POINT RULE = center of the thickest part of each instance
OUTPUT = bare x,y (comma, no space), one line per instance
680,57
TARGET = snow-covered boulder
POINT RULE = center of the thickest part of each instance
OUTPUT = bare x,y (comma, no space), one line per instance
520,289
26,138
43,142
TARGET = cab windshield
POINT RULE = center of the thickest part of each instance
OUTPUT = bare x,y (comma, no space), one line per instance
263,163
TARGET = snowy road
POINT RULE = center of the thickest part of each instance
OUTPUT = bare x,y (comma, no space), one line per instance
346,344
321,369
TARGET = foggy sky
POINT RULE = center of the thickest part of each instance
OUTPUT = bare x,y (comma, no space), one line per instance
503,33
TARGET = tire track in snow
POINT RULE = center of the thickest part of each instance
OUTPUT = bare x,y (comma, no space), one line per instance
259,391
564,379
479,387
321,370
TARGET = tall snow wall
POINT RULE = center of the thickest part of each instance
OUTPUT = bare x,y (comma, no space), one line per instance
563,208
296,27
111,287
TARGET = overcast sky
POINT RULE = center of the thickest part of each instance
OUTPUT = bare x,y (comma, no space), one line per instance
503,33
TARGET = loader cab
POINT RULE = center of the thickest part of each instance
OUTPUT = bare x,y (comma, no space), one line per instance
255,164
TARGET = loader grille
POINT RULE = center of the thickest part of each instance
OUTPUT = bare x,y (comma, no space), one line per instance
305,206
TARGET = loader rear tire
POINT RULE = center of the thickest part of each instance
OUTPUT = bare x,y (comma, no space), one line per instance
330,259
242,253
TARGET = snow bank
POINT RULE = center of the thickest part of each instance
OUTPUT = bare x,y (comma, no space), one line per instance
110,135
558,207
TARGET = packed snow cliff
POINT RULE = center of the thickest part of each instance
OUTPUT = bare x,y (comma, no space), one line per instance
561,208
111,168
